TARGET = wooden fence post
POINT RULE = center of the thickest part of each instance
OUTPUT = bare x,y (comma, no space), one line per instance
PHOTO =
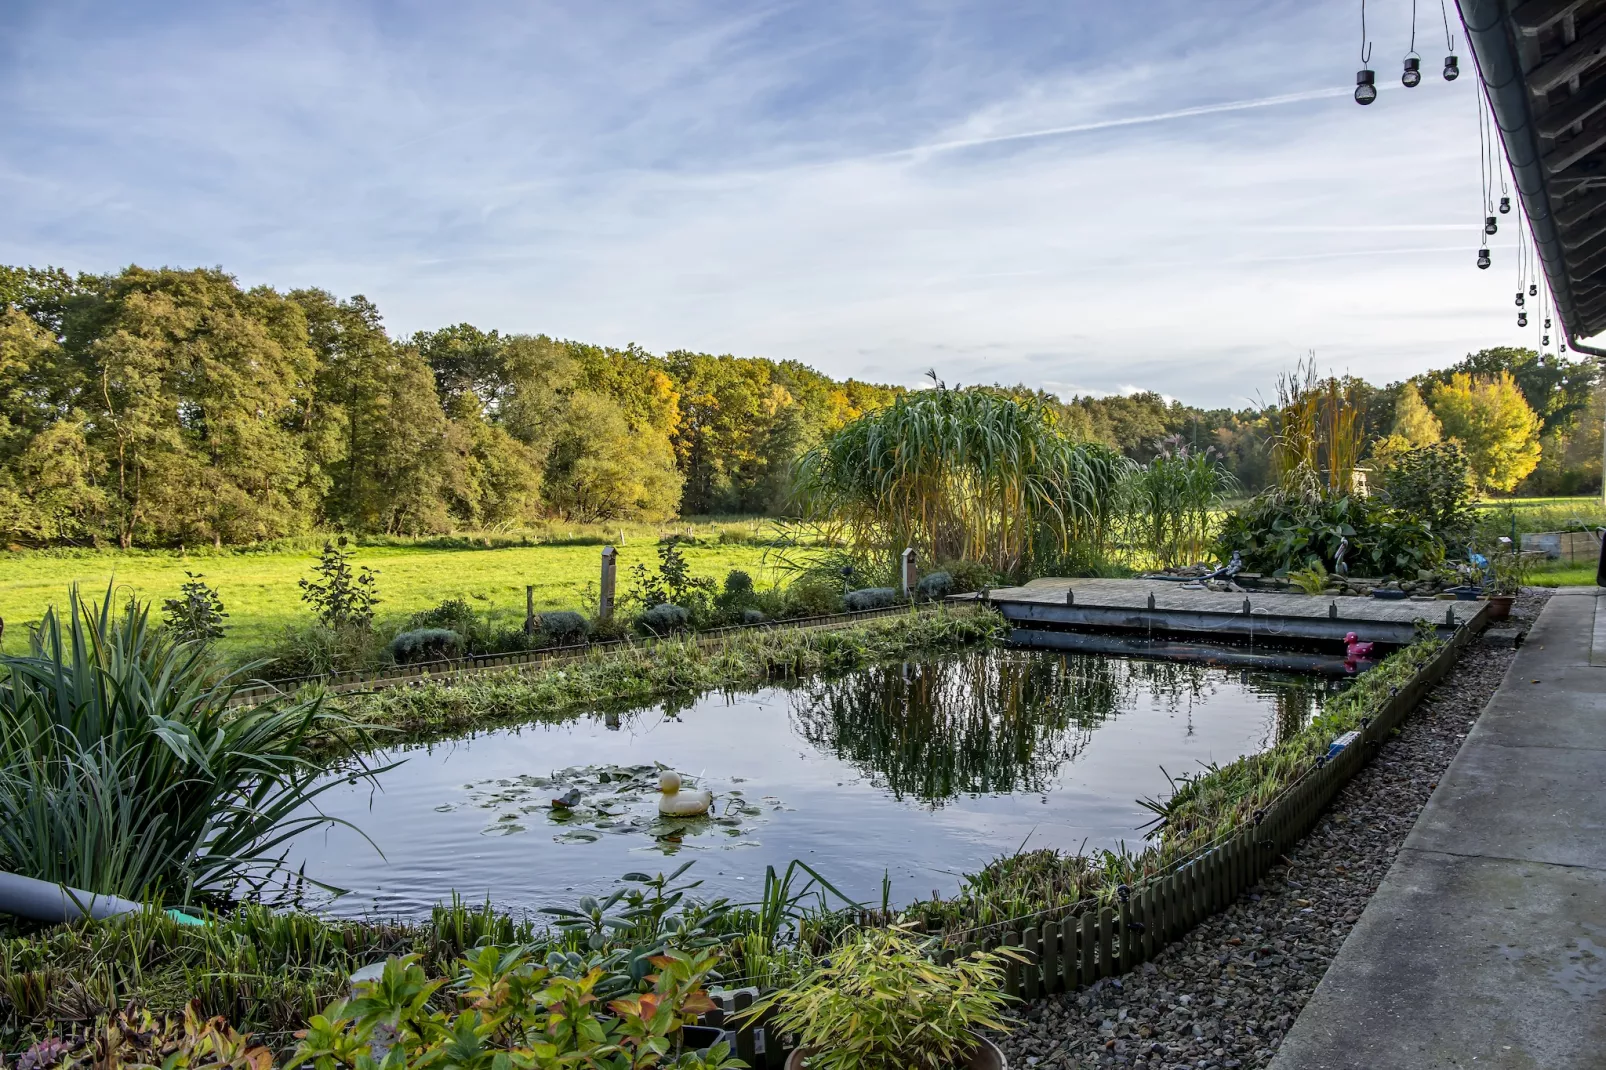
1048,937
529,609
610,571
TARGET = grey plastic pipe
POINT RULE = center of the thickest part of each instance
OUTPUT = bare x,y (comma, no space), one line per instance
27,897
43,901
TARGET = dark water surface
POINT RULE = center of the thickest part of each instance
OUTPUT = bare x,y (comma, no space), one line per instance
922,771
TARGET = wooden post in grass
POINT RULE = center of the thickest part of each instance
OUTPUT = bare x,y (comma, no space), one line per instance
610,572
906,569
529,609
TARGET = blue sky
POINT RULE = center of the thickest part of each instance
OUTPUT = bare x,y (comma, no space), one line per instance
1088,197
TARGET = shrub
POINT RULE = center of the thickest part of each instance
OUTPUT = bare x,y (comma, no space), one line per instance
969,575
563,626
453,613
123,771
753,616
341,597
813,594
871,598
934,586
663,619
1433,484
197,614
317,649
880,1003
738,584
425,644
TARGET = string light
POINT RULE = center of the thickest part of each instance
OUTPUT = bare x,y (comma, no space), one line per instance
1452,66
1365,79
1411,77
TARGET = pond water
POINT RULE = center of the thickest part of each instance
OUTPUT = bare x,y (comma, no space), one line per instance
921,771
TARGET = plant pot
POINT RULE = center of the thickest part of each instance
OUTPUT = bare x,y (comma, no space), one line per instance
704,1037
1500,606
985,1057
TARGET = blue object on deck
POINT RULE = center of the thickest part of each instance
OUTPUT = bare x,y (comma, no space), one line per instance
1337,746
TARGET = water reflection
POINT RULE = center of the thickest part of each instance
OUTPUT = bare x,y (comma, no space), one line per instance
1002,722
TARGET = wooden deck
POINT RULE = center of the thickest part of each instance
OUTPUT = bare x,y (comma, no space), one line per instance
1162,607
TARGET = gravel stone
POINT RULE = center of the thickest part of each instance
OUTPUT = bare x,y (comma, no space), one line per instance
1225,995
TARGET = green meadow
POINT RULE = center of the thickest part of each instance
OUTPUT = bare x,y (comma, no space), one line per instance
260,592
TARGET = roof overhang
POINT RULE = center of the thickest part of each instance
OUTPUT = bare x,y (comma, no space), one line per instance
1543,63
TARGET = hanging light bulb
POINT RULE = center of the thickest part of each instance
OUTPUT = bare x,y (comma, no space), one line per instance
1544,339
1483,257
1522,319
1365,87
1520,301
1412,76
1547,323
1452,68
1505,205
1490,224
1561,347
1533,289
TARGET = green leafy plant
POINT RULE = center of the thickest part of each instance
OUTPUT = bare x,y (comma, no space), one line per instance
1311,579
134,1037
511,1011
341,596
672,582
197,614
124,771
880,1003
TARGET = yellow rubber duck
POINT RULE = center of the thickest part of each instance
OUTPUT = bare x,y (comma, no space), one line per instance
676,803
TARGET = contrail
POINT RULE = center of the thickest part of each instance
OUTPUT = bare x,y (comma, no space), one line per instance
1132,120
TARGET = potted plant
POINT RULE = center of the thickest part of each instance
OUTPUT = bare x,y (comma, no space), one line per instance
879,1003
1509,570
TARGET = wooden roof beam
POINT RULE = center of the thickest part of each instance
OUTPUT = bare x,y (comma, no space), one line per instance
1537,16
1569,63
1583,235
1577,108
1567,153
1580,210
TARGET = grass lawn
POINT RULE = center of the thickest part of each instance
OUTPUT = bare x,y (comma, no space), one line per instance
1563,575
1548,514
259,589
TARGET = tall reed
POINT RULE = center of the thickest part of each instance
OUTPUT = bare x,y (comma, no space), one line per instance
972,475
123,772
1173,503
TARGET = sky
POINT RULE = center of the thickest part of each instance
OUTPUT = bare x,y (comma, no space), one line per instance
1080,196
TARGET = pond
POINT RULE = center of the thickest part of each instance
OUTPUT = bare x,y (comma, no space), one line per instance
920,772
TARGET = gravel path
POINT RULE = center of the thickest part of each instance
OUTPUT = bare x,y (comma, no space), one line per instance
1225,995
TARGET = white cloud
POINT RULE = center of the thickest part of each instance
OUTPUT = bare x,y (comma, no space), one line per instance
873,192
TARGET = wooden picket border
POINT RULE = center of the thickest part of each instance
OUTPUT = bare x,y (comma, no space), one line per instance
1086,942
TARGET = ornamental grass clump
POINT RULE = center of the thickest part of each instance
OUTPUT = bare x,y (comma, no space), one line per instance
879,1003
124,772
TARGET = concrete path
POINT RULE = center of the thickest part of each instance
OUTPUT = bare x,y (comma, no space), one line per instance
1485,946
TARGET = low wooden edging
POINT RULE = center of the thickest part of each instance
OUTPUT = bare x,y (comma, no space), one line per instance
1081,945
461,668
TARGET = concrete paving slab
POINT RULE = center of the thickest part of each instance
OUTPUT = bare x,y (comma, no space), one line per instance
1485,946
1464,962
1554,818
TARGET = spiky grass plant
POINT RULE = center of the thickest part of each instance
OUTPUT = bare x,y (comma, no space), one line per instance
964,475
123,772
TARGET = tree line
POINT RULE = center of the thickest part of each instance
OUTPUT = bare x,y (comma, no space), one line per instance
174,407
